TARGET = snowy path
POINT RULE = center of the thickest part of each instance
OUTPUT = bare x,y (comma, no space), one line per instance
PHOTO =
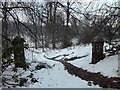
55,77
58,77
96,78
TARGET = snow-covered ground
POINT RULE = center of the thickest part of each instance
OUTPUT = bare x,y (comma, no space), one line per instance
57,76
107,67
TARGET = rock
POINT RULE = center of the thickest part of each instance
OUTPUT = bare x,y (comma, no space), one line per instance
39,67
42,65
89,83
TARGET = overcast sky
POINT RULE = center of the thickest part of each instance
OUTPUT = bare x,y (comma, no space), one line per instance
83,2
63,0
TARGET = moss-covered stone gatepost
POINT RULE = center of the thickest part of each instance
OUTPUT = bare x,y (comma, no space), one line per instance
19,55
97,50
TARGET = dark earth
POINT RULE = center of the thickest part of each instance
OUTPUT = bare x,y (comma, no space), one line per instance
96,78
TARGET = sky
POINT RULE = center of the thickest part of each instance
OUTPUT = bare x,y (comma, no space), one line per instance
83,2
63,0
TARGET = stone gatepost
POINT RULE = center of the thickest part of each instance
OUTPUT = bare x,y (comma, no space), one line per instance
97,50
19,55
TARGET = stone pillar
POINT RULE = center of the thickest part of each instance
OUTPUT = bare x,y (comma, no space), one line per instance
19,56
97,50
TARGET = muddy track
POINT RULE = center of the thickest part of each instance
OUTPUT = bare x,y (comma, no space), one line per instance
97,78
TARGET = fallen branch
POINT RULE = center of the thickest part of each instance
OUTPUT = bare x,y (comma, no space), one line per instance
76,57
53,58
66,59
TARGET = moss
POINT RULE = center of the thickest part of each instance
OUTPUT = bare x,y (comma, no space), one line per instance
18,40
98,39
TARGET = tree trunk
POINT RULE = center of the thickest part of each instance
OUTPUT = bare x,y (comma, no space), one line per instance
66,42
5,25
